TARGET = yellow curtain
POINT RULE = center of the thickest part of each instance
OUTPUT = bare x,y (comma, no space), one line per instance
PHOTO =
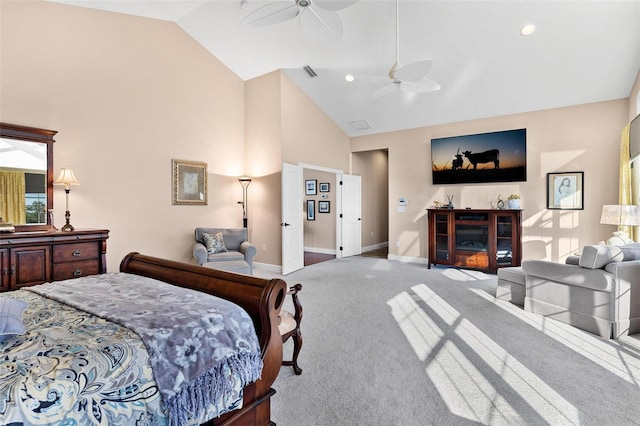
13,209
625,175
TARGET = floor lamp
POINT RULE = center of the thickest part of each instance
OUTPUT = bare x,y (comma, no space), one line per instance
67,179
244,181
621,215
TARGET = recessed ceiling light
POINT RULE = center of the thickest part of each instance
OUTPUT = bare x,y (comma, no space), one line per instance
528,29
348,77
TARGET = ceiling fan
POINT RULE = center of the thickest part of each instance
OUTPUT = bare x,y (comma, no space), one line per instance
411,78
318,17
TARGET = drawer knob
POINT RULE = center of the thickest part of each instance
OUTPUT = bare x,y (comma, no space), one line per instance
77,273
76,253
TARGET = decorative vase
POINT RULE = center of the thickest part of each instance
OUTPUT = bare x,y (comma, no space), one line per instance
514,204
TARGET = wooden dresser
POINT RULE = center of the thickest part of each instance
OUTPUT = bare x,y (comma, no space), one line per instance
29,258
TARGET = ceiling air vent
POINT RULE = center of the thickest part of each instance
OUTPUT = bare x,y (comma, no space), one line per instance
361,124
310,71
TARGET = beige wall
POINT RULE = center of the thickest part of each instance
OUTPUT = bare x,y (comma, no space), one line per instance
126,94
581,138
264,165
373,167
284,125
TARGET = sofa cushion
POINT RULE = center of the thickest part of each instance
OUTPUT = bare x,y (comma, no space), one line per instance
631,251
597,256
11,317
214,243
226,256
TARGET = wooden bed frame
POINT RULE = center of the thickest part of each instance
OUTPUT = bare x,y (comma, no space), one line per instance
261,298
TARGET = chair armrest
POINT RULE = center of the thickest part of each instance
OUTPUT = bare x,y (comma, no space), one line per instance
293,291
249,251
200,253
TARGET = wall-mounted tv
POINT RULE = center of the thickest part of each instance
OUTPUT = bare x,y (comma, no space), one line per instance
483,157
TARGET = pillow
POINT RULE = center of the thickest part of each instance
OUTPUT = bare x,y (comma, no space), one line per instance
11,317
214,243
631,251
597,256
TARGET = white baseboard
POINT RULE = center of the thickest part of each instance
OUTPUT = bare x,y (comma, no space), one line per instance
375,246
277,269
408,259
320,250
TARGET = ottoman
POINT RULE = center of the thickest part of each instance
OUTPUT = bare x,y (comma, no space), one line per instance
238,266
511,285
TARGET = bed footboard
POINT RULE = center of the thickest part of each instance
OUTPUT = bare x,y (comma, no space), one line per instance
260,297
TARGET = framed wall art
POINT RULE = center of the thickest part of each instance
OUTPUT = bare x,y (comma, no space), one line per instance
311,210
189,182
324,206
310,187
565,191
480,158
324,187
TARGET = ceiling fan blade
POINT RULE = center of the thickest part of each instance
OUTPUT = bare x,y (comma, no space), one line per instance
414,71
272,13
334,4
322,23
421,86
385,90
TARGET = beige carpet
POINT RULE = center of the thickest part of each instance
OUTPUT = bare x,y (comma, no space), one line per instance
387,343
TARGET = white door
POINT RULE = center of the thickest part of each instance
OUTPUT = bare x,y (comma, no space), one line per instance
292,212
351,209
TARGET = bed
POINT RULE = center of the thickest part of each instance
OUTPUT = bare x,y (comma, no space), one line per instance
79,359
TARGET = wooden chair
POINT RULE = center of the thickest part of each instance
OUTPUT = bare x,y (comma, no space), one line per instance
290,327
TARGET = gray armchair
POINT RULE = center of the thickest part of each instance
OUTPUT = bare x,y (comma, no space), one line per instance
235,241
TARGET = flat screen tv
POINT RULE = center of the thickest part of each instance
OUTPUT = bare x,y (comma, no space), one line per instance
479,158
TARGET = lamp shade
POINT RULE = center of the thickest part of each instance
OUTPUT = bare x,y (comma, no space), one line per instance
616,214
66,178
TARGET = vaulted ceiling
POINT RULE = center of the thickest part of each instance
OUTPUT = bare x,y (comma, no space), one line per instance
580,52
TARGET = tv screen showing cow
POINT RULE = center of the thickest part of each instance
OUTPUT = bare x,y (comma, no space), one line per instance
479,158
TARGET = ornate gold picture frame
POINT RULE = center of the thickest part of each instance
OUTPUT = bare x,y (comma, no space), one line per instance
189,183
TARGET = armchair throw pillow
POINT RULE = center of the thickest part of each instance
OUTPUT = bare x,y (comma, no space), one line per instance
597,256
214,243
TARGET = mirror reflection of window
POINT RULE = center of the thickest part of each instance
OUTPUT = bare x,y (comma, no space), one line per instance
23,168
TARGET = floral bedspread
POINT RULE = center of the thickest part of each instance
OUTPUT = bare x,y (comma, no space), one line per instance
72,367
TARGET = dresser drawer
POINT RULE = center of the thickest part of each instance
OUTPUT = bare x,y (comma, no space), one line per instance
73,252
81,268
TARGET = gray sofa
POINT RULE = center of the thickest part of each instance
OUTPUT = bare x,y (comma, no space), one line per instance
235,242
598,291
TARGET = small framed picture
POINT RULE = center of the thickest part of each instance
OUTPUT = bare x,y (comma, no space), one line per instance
189,182
324,206
311,210
565,191
324,187
310,187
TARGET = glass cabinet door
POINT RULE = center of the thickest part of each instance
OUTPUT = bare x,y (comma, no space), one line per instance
504,240
442,236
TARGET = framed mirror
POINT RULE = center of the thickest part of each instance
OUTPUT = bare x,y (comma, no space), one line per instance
26,176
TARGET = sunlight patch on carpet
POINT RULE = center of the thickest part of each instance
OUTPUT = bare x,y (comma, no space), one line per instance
606,353
465,275
469,369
